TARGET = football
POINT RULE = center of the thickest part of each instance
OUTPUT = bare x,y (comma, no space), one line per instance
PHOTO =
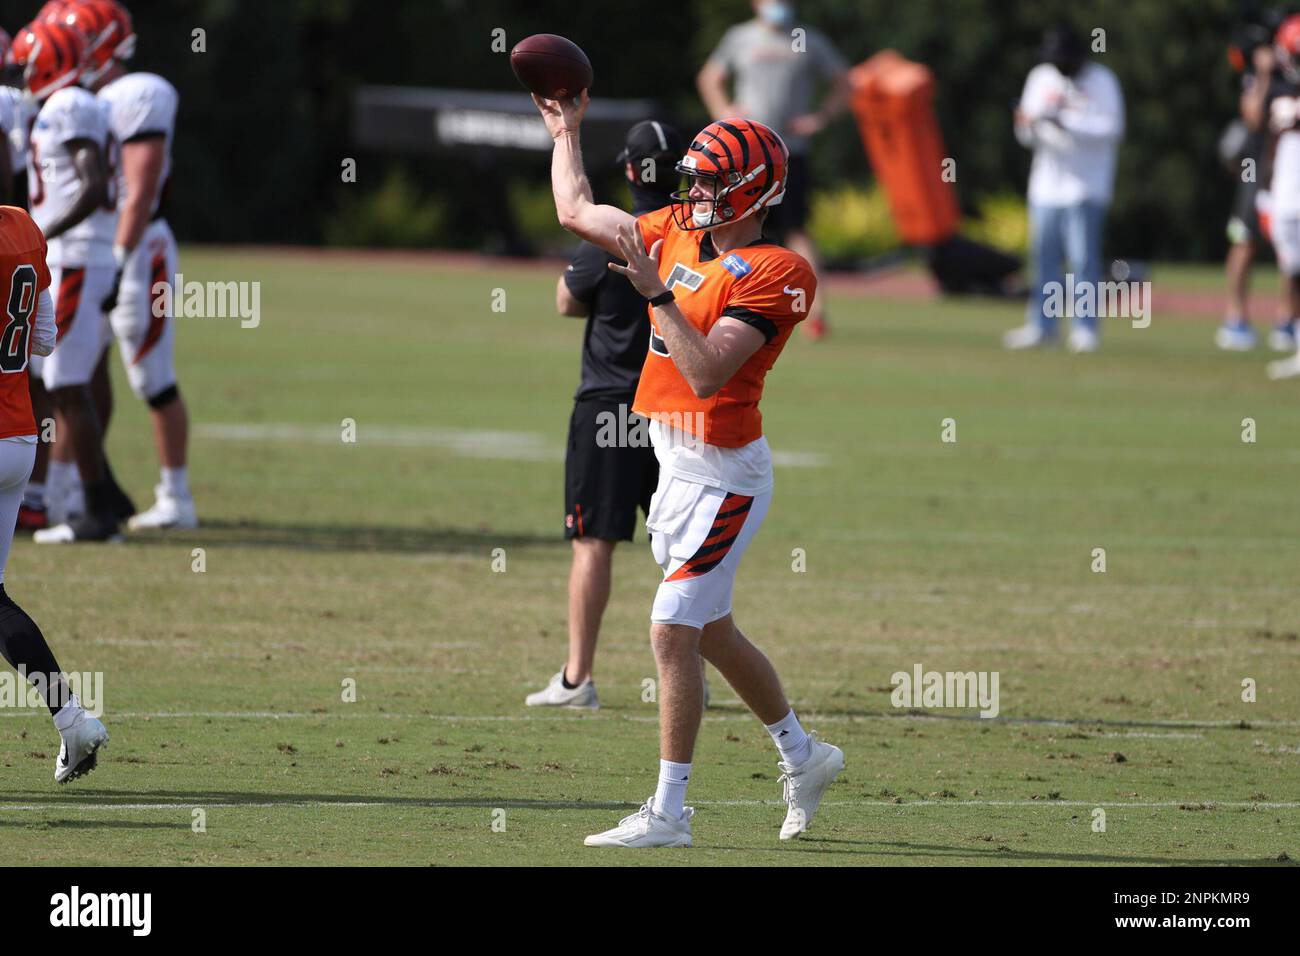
551,66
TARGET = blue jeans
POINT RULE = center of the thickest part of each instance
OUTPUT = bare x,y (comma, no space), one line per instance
1059,235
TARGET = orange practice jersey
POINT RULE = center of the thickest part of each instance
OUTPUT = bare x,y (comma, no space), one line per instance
23,276
763,284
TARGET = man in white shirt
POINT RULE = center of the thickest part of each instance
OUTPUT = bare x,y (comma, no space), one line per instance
1071,114
776,64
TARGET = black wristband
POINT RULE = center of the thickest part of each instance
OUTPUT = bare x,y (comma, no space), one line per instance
662,298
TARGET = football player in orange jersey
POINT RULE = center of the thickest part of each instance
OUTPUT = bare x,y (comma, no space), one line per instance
29,329
724,301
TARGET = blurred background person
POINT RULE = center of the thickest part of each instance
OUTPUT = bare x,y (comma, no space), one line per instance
604,485
1071,114
1244,141
1280,203
775,73
13,126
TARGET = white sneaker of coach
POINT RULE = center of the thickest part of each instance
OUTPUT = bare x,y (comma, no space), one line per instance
805,784
1083,339
1234,337
1027,336
557,695
167,511
1281,338
82,736
647,827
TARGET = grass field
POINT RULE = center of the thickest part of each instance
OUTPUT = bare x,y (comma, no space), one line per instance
372,561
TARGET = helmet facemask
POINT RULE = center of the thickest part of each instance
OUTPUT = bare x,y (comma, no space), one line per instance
1287,64
729,191
707,213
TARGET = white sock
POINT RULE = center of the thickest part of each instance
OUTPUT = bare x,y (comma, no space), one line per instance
670,796
34,494
176,481
791,740
61,475
67,714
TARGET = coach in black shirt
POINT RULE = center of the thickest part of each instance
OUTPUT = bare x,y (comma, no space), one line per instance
605,482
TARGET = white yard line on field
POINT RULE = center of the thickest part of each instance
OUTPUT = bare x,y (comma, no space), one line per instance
489,443
465,442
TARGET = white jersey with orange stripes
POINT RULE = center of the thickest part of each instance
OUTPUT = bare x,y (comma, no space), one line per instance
15,118
53,182
142,105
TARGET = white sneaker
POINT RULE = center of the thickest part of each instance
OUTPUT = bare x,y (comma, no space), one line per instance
1027,336
557,695
61,533
646,827
80,529
1281,338
168,511
82,736
1083,339
1234,337
805,785
1284,368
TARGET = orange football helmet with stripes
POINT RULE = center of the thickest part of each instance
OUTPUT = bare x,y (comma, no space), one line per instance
119,38
93,23
50,55
1287,45
742,165
50,10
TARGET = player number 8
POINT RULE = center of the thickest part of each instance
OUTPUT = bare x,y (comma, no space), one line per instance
17,333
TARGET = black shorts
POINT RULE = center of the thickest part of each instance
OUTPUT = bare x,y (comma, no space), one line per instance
1244,224
791,214
604,486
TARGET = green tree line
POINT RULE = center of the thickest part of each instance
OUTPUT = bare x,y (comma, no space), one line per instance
266,91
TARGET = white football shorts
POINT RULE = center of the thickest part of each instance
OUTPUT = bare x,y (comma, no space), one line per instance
698,535
1286,242
78,292
16,458
147,341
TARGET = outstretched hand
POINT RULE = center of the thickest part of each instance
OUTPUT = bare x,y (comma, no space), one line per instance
562,116
642,268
